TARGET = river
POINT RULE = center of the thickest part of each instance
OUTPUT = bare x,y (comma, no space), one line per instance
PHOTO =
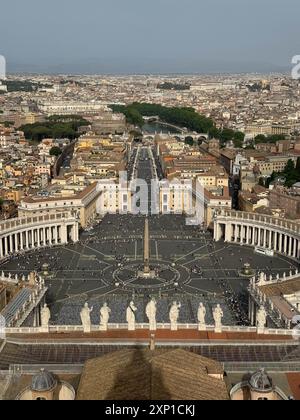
156,127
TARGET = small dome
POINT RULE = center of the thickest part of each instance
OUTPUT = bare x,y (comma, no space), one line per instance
43,381
261,382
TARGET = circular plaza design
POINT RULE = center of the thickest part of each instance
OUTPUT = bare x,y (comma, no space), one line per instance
188,266
166,277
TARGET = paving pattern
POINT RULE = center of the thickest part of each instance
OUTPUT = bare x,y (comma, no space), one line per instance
191,268
209,272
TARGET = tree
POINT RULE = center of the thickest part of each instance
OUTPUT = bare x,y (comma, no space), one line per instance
238,144
189,141
55,151
298,167
238,135
260,139
55,127
214,132
134,117
8,124
289,167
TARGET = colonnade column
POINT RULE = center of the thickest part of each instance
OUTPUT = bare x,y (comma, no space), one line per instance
275,240
27,239
294,247
235,232
55,235
285,244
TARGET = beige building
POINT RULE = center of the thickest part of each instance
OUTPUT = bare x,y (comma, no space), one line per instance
274,164
176,197
193,199
259,387
285,199
114,198
215,177
251,201
216,199
84,204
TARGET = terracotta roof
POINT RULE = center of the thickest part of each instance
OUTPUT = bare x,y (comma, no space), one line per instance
144,375
181,335
82,194
287,287
258,189
294,383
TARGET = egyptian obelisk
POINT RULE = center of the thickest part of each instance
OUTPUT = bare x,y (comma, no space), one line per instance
146,248
147,273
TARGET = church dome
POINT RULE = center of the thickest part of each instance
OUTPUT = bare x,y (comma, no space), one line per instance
261,382
43,381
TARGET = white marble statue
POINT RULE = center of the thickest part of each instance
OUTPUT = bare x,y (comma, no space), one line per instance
261,319
218,316
45,317
174,315
85,316
201,317
151,314
105,312
130,316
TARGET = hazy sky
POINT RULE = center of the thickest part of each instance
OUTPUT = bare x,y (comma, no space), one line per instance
149,36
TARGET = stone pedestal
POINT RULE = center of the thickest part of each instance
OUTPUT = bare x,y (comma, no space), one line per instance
174,326
146,274
103,327
201,327
152,326
44,330
87,329
131,327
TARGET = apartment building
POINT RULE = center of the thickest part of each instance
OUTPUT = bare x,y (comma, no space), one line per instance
286,199
83,203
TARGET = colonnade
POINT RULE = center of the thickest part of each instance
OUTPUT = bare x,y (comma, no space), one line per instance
259,231
26,234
